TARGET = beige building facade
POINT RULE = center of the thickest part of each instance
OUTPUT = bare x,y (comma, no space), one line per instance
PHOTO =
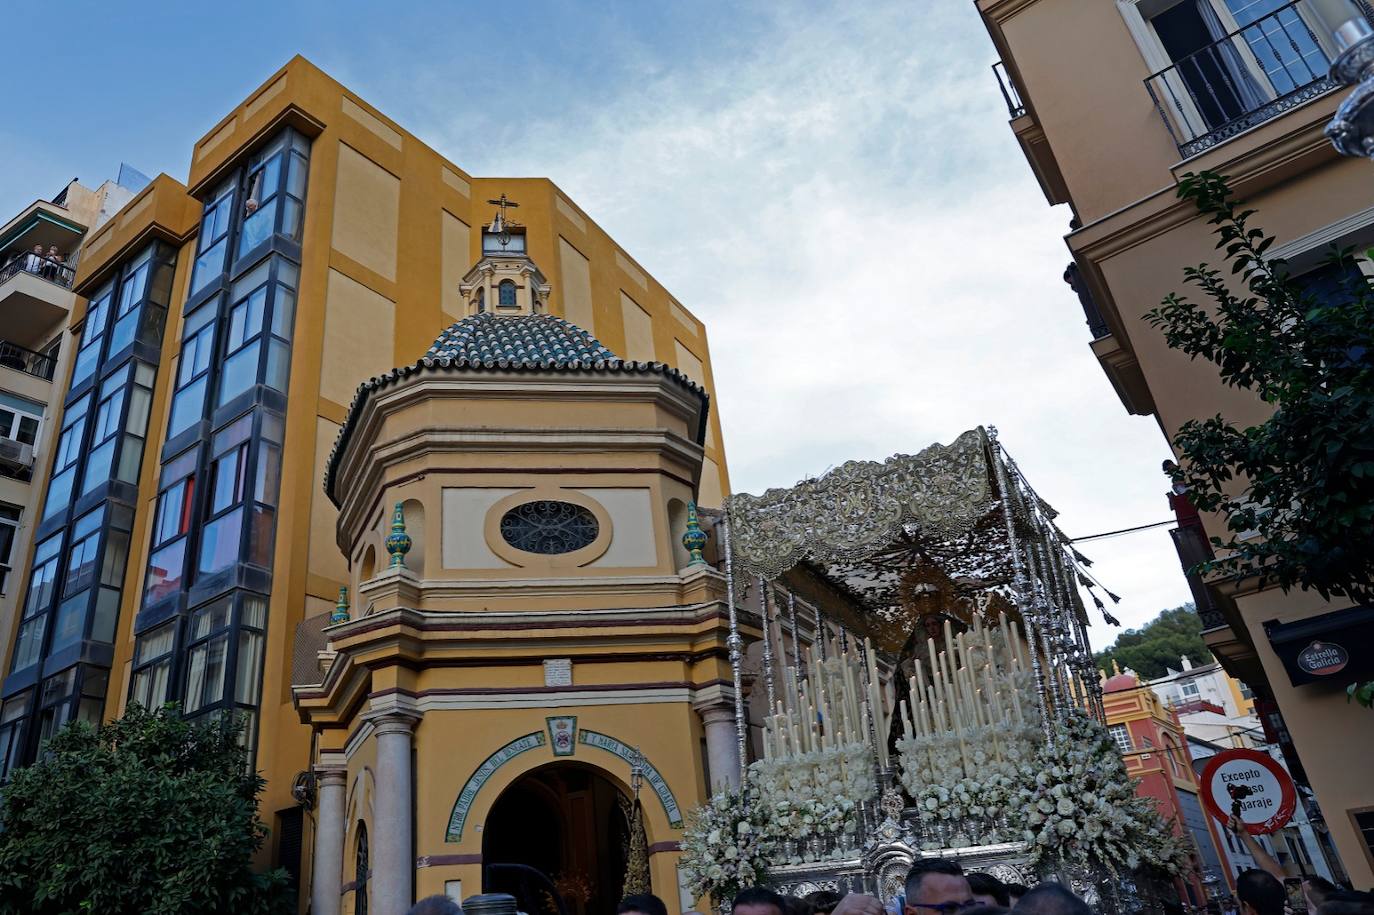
1112,103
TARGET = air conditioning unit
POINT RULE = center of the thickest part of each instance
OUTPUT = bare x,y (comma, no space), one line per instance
15,455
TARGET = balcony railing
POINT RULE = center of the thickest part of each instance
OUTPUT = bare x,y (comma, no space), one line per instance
1253,74
54,271
1015,107
1193,549
14,356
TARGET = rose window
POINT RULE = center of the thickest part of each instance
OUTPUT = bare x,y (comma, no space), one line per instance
549,527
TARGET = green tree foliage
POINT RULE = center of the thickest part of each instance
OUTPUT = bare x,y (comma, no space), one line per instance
1304,478
1158,644
148,814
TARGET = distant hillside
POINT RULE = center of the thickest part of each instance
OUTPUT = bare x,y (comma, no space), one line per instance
1158,644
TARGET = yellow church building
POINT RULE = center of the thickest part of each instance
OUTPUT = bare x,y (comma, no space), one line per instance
525,632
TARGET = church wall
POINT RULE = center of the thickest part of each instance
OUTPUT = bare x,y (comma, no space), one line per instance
450,745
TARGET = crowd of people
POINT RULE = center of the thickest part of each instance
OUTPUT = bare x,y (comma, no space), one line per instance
941,886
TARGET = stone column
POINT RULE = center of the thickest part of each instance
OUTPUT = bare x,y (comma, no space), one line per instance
722,743
390,837
327,880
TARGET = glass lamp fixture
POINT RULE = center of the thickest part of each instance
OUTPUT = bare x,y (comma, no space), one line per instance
1351,131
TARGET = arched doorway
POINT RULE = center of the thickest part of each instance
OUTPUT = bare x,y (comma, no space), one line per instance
568,822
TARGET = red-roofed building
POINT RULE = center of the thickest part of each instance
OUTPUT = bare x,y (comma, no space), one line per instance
1155,751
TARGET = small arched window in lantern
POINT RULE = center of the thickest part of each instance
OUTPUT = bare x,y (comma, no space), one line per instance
506,294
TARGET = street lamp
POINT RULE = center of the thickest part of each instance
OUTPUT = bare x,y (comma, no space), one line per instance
1351,131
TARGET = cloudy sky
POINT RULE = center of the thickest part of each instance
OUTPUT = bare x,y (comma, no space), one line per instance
831,187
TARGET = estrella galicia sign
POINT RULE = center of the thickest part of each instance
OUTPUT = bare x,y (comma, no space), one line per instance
1321,659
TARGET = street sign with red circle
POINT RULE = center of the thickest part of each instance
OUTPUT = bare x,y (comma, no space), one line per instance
1254,780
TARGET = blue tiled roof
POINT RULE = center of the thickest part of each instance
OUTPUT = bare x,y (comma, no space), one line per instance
511,343
542,341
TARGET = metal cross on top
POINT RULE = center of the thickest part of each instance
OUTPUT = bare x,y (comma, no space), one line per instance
499,224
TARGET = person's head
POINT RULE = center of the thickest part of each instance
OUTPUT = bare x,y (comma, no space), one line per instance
988,890
1316,891
1015,891
641,904
758,900
822,901
1260,893
1051,898
435,905
38,249
795,905
1347,903
52,250
936,885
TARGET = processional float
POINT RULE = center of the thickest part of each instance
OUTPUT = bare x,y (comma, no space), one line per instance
865,767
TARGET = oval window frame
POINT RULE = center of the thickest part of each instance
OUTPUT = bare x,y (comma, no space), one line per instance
521,559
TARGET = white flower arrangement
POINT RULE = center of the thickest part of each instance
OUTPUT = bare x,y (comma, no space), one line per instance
1081,806
726,845
814,795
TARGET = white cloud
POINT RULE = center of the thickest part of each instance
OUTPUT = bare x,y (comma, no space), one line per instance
847,211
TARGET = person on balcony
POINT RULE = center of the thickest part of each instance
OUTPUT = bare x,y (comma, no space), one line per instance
55,262
34,262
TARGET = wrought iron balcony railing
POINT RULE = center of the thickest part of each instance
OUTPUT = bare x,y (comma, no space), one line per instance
1193,549
1015,107
54,271
1257,72
23,359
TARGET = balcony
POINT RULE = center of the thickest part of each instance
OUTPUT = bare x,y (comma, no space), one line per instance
1269,66
23,359
1190,540
1015,107
35,299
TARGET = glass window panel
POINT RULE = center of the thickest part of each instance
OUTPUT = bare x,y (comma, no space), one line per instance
29,643
219,546
260,537
237,431
248,669
252,279
272,427
295,177
123,333
137,422
257,228
188,406
165,572
290,218
278,365
283,312
88,523
205,673
59,493
98,467
209,265
130,459
116,560
254,612
85,364
150,684
26,430
240,373
226,479
131,291
269,474
211,617
288,274
70,622
106,615
155,643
